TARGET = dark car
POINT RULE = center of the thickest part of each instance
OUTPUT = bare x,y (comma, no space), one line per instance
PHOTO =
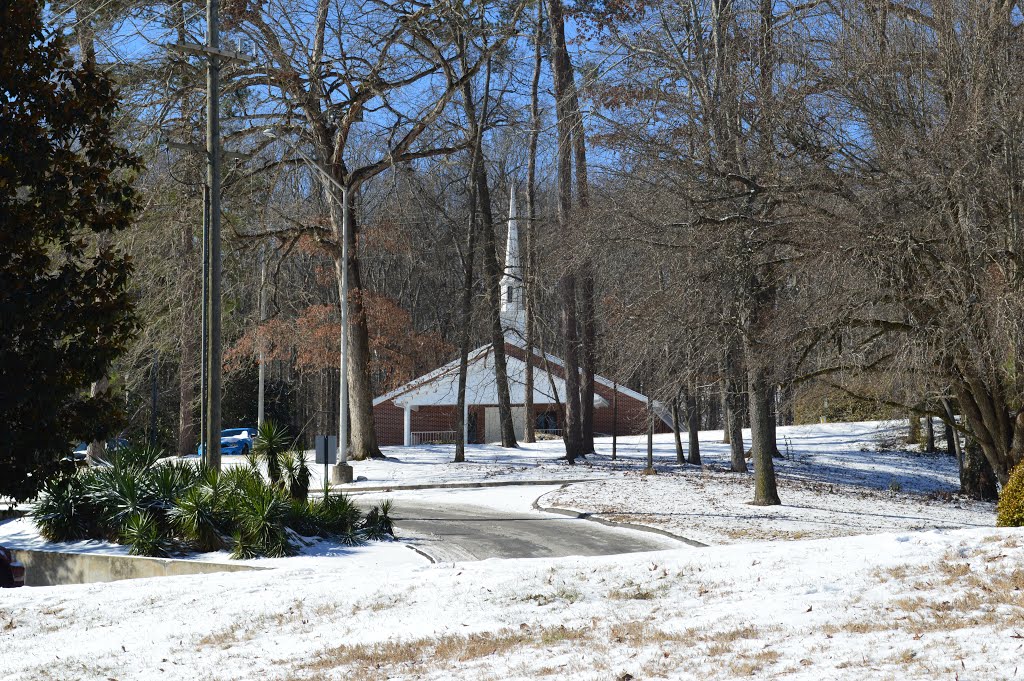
234,442
12,573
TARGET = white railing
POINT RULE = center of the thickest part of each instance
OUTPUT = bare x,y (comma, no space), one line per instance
433,437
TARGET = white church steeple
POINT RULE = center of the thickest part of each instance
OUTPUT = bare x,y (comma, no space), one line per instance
513,312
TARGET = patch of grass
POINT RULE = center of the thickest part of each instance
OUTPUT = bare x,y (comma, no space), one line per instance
380,660
632,591
748,664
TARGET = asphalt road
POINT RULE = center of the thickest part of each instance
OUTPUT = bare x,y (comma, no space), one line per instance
461,532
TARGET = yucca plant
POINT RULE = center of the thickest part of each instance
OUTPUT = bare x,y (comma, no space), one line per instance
271,442
295,474
261,512
171,481
64,512
336,514
120,492
199,520
302,518
377,524
145,536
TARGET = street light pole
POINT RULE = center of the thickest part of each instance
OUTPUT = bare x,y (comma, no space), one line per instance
341,473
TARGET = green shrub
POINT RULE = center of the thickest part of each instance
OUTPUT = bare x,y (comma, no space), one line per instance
295,474
377,524
145,537
63,512
199,520
171,481
261,511
119,493
158,508
336,515
1010,509
271,443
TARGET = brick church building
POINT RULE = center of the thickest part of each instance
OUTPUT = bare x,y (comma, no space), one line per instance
424,409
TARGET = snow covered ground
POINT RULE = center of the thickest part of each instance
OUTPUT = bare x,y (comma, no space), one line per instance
832,482
896,604
893,606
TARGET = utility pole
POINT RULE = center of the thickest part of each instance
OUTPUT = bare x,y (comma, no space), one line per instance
263,357
211,454
205,331
212,360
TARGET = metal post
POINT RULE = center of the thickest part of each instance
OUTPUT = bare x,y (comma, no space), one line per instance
615,419
212,451
342,472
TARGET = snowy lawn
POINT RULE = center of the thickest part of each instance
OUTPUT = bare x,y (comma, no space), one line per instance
941,604
946,603
834,481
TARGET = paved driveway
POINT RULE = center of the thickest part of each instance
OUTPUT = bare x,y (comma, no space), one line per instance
451,531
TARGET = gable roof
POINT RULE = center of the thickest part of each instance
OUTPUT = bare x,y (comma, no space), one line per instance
440,386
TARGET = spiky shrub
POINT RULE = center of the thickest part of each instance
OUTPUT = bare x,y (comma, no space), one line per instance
336,514
64,512
271,443
303,519
119,492
145,536
1010,509
377,524
260,514
199,518
171,481
295,474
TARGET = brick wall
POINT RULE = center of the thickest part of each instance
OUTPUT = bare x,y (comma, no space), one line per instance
389,421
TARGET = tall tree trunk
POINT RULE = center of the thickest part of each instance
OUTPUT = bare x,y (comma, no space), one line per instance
913,429
724,408
492,271
734,408
466,319
929,435
765,490
362,435
154,397
737,456
529,434
563,86
588,347
692,428
676,432
977,480
190,340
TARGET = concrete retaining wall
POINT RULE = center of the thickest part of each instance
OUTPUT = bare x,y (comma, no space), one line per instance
47,568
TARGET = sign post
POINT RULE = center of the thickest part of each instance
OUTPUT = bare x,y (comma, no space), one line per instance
326,453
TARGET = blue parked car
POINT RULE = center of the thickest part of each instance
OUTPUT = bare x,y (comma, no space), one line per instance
234,442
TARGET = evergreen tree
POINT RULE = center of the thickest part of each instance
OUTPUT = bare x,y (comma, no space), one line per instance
65,311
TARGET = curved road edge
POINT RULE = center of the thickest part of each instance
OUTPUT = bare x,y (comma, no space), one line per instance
583,515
